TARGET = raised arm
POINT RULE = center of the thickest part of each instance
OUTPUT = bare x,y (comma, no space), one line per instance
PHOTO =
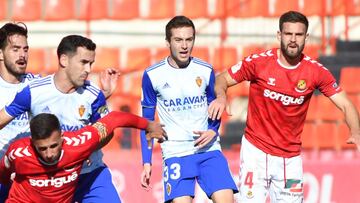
351,117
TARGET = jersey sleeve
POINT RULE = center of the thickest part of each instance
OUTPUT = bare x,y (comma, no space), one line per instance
210,94
99,108
20,104
244,70
327,83
148,103
6,168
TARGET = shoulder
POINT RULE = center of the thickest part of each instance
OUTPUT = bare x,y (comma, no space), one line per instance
40,82
263,57
199,62
156,66
314,64
91,88
20,149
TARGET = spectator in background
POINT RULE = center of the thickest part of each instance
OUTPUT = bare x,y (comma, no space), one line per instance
282,82
181,87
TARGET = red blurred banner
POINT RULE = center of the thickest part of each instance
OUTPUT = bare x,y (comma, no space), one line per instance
329,177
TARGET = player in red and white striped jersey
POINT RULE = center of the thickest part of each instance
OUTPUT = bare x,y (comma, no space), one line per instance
48,164
282,82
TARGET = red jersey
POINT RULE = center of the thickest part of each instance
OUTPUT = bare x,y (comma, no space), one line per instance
279,99
37,182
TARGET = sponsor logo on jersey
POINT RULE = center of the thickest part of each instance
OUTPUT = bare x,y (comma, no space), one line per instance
81,110
198,81
56,182
165,86
284,99
65,127
271,81
294,185
301,86
46,110
184,101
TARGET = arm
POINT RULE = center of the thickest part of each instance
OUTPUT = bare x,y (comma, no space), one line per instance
117,119
351,117
5,170
18,106
222,83
108,79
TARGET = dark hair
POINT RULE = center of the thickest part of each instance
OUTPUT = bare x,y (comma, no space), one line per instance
10,29
293,17
42,125
70,43
177,22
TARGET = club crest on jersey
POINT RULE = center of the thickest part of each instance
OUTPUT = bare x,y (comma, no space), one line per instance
249,194
301,86
168,188
81,110
198,81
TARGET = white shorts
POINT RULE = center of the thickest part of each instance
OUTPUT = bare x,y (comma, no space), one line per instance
262,174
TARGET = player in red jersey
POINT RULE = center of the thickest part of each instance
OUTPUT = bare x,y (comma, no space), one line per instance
47,165
282,82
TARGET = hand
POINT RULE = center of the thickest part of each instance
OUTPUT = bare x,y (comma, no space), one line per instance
155,130
354,139
108,79
145,176
217,107
205,138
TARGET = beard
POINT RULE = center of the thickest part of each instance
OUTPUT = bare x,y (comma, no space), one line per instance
13,69
292,54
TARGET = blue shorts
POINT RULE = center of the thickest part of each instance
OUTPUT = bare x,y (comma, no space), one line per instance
210,169
4,192
96,186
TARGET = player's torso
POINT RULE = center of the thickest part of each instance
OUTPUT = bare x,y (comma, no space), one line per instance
18,127
181,103
74,110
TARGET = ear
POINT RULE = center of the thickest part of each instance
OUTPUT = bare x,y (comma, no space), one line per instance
167,43
306,37
278,35
64,60
1,55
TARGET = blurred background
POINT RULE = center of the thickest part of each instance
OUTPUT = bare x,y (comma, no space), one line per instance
130,35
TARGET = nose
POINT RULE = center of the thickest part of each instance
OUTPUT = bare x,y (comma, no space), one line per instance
184,45
293,38
87,68
49,155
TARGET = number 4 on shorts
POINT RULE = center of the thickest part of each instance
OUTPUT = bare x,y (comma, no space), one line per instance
249,179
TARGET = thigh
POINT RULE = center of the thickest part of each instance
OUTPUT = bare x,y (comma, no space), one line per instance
179,177
214,173
254,179
96,186
287,183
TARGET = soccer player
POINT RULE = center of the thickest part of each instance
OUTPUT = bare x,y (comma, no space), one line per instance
282,82
180,87
13,59
76,102
47,166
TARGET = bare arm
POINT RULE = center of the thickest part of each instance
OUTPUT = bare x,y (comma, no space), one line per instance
222,83
351,117
4,118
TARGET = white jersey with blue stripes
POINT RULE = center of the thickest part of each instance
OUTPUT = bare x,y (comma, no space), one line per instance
74,110
181,97
19,127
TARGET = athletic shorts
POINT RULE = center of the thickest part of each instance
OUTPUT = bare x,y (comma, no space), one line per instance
209,169
262,174
96,186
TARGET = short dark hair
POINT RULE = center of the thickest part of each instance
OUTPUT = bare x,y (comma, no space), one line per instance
70,43
10,29
43,125
177,22
293,17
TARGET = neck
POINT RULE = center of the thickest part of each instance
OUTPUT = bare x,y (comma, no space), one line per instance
177,64
62,83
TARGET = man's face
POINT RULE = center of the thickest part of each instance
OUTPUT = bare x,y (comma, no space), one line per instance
15,55
79,66
292,38
181,44
49,149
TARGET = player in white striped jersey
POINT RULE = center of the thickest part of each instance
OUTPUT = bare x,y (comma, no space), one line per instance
180,87
76,102
13,61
